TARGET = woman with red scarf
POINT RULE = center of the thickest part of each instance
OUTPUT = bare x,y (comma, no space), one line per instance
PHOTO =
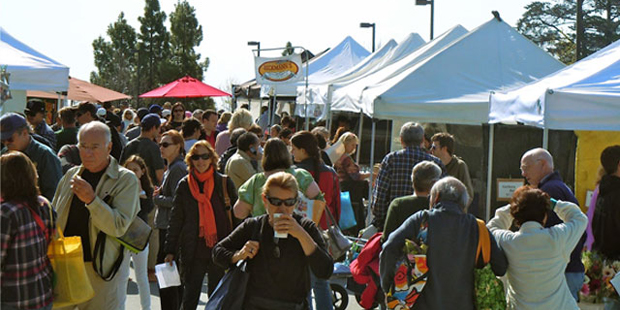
199,219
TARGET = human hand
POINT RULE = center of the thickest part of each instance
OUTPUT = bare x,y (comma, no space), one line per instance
82,189
249,250
286,224
156,191
169,258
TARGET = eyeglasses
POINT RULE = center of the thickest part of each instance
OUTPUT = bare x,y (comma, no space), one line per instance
166,144
433,147
276,249
287,202
204,156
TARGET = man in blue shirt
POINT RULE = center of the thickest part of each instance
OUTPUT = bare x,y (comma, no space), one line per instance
537,168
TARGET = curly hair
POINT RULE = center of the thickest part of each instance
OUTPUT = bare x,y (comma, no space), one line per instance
529,204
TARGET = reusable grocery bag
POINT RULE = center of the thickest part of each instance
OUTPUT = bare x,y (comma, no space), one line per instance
347,216
72,285
488,289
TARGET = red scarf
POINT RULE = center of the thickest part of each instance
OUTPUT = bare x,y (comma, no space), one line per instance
207,228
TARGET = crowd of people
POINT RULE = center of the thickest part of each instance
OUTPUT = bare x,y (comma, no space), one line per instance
220,187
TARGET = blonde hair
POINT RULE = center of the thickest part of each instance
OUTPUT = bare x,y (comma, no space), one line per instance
348,137
283,180
240,119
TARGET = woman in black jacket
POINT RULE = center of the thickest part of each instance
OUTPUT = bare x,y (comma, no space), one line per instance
200,218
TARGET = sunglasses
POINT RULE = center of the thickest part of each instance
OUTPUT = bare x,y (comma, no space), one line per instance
166,144
287,202
204,156
178,111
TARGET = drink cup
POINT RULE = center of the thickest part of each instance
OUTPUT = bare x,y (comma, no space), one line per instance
277,234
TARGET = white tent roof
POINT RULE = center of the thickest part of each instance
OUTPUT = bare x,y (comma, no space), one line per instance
583,96
346,96
29,69
453,85
326,67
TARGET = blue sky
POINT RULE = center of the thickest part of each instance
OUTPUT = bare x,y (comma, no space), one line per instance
65,29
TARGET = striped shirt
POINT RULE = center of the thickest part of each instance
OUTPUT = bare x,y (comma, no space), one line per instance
394,179
26,273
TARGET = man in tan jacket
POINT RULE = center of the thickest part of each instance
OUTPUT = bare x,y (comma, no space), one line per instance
97,201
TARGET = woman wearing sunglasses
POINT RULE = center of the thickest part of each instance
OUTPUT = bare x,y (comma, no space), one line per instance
172,150
199,220
178,116
280,266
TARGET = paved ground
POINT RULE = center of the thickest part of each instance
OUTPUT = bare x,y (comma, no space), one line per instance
133,298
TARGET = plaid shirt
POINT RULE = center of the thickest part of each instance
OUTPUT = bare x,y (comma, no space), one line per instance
394,179
26,273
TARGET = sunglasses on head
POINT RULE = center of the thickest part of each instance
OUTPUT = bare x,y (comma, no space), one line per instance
204,156
278,202
165,144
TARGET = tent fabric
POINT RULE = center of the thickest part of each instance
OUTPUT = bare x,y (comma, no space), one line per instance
29,69
582,96
325,67
346,96
185,87
453,86
83,91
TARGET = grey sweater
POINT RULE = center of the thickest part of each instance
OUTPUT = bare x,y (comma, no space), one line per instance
176,171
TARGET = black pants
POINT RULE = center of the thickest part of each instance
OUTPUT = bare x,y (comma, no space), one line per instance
194,275
170,297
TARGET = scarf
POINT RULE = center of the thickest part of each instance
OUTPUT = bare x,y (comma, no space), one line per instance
207,228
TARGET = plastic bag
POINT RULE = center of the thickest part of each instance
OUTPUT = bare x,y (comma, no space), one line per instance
347,216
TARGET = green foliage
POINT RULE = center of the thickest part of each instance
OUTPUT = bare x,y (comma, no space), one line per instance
552,25
153,47
186,34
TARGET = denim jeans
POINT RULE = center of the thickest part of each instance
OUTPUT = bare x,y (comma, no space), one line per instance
575,282
140,261
322,293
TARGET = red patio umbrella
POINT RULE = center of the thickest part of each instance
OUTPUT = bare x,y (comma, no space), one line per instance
185,87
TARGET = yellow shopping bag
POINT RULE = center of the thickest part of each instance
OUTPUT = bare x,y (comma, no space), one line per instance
71,283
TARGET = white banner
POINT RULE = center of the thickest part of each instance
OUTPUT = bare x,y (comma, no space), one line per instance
278,71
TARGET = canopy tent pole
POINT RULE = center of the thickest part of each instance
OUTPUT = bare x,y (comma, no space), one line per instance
359,134
490,171
306,96
545,143
328,121
372,160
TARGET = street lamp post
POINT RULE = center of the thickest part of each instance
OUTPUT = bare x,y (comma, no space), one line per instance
370,25
432,3
257,44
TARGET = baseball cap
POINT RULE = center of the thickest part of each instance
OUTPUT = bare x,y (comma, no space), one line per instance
34,106
101,112
142,112
84,107
154,108
165,112
10,123
149,121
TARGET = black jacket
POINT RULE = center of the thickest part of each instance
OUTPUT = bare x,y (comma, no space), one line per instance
182,234
606,222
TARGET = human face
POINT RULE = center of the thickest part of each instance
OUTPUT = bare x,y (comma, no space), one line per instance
35,119
200,164
83,117
210,123
437,149
280,194
298,154
350,147
135,168
94,151
168,149
178,114
18,141
532,170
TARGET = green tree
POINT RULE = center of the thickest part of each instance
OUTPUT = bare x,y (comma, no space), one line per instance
116,59
153,47
186,34
552,24
288,49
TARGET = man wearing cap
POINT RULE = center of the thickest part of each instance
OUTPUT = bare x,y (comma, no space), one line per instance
145,147
135,132
155,109
15,135
85,113
35,114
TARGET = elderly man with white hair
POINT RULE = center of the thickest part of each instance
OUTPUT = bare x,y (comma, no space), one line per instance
452,241
97,201
537,168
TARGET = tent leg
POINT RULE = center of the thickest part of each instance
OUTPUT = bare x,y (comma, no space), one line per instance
545,143
359,136
372,161
490,171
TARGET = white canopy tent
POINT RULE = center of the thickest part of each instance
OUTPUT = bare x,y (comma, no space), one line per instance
345,96
582,96
29,69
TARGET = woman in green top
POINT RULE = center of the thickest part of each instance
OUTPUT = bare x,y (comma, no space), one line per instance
276,159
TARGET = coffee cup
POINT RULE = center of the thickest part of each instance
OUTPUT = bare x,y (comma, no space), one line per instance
275,233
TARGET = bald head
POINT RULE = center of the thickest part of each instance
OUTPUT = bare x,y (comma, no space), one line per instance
535,165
